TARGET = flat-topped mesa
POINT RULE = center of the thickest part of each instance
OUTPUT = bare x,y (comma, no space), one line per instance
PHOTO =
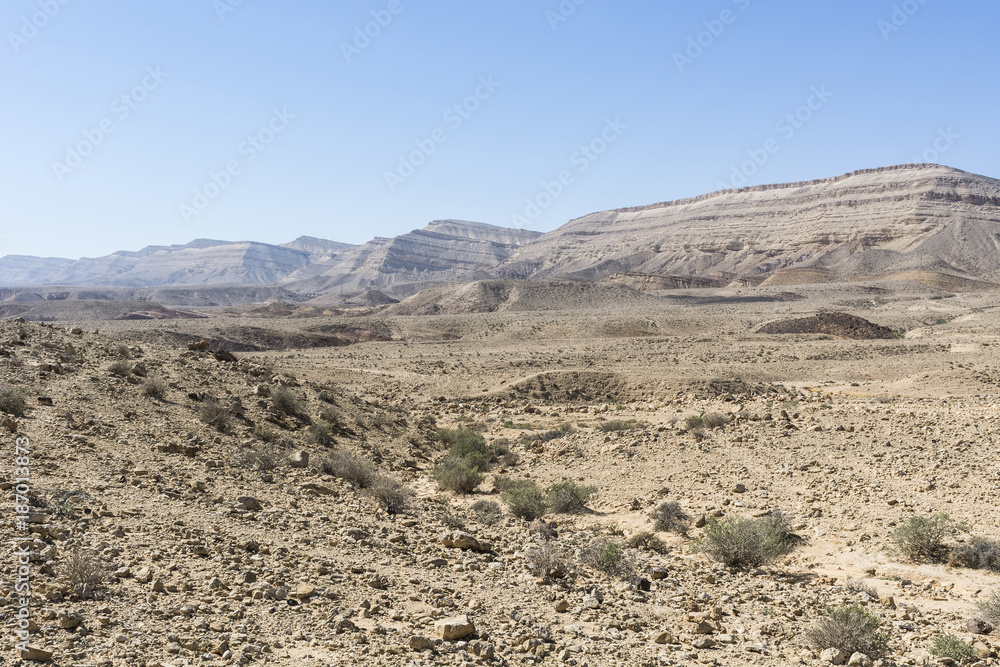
869,223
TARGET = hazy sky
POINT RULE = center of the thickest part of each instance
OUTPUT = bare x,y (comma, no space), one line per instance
128,123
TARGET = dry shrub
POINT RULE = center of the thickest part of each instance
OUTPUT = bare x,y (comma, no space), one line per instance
263,457
669,517
487,512
547,560
715,420
647,540
978,553
390,495
569,497
285,401
120,368
83,570
747,543
990,608
921,539
154,387
358,472
12,400
215,414
852,630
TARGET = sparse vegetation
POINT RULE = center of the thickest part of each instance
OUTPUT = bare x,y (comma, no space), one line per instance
978,553
264,457
320,433
285,401
668,516
850,629
714,420
616,425
647,540
390,495
154,387
990,608
568,497
953,648
547,436
746,543
215,414
607,556
356,471
458,475
487,512
547,560
12,400
525,500
857,586
694,422
120,368
83,570
922,539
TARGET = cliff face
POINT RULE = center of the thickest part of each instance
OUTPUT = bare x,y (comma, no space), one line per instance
443,251
866,223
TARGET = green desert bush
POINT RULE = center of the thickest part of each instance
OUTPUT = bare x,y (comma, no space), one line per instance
547,436
568,497
457,474
922,539
746,543
852,630
952,647
668,516
525,500
607,556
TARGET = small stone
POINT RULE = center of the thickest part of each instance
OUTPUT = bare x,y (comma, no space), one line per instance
68,621
739,488
562,605
250,503
979,626
35,652
665,637
702,643
888,602
859,660
302,591
299,459
461,540
421,643
833,656
639,584
454,628
658,573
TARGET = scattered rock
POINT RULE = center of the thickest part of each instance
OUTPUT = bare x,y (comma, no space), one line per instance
453,628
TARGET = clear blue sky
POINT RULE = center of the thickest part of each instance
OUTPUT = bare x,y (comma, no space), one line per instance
671,127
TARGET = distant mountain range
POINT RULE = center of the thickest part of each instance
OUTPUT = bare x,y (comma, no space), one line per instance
928,223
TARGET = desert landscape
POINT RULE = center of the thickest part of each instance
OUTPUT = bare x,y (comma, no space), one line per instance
773,441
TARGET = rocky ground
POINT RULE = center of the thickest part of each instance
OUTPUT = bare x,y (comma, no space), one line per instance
190,483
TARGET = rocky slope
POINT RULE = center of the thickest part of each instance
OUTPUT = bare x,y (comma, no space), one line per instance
443,251
201,262
864,224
